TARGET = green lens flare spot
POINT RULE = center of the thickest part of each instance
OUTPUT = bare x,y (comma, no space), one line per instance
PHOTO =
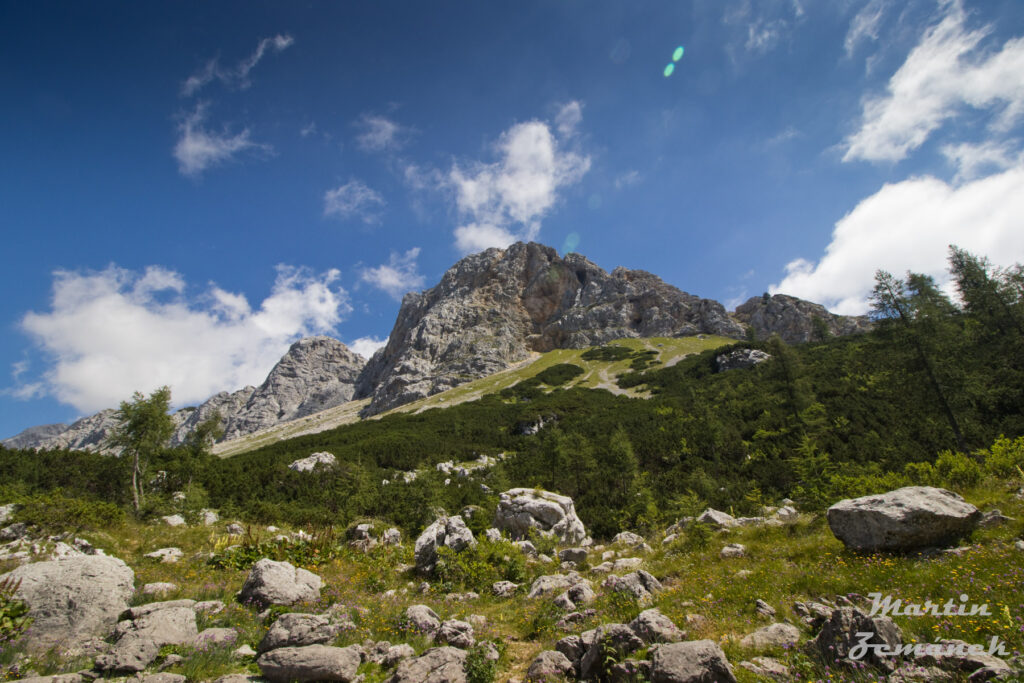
678,54
669,69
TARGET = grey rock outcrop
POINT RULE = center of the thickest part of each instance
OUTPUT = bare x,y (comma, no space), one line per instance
33,436
694,661
774,635
323,459
494,308
87,434
640,584
298,630
422,619
225,403
651,626
139,640
73,599
548,665
847,627
740,359
310,663
904,519
522,509
448,532
279,583
796,320
617,638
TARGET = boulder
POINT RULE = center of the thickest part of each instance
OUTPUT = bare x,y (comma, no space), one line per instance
140,639
575,555
771,636
456,633
733,550
166,555
694,661
554,583
740,359
72,599
617,638
522,509
628,538
423,620
298,630
651,626
309,464
310,663
447,532
216,637
766,667
640,584
437,665
279,583
173,520
158,588
716,519
844,630
547,665
905,519
504,589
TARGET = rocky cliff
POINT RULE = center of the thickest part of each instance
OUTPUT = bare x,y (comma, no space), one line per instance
795,320
494,308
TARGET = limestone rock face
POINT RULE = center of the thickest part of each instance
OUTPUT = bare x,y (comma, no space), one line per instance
86,434
74,598
317,373
521,509
904,519
494,308
793,319
225,403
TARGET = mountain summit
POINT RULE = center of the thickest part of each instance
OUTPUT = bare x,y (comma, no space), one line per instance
489,311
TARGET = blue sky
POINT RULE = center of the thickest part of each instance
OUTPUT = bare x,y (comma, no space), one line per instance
186,188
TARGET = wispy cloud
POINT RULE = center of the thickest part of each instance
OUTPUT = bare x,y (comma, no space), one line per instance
945,74
367,346
398,276
759,27
380,134
199,148
507,199
112,332
864,25
237,76
971,159
354,199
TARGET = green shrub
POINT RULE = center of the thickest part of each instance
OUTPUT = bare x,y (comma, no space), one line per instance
480,669
608,353
14,619
1005,459
478,567
958,470
58,513
559,374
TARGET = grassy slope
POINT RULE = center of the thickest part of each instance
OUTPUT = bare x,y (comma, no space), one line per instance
799,562
598,374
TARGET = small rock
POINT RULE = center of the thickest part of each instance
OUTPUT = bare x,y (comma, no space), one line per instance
651,626
173,520
716,519
693,661
159,588
733,550
437,665
456,633
422,619
771,636
764,609
310,663
166,555
235,529
766,667
243,652
504,589
547,665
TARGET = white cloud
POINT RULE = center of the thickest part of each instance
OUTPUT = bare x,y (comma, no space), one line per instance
944,74
380,134
764,35
506,200
199,148
908,226
238,76
367,346
864,25
969,159
628,179
568,118
398,276
354,199
116,331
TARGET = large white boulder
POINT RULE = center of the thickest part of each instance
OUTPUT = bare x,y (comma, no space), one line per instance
520,510
309,464
72,599
904,519
279,583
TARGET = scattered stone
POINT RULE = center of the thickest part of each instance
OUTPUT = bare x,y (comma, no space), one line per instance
617,638
733,550
243,652
547,665
743,573
7,511
628,538
139,640
908,518
309,464
208,517
391,536
235,529
310,663
553,583
504,589
522,509
493,535
159,588
651,626
695,661
772,636
173,520
640,584
526,548
140,611
279,583
298,630
740,359
577,555
716,519
764,609
1019,545
448,532
423,620
437,665
456,633
766,667
994,518
166,555
395,654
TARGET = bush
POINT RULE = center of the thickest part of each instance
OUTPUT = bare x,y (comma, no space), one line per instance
958,470
480,669
1005,459
58,513
559,374
478,567
14,619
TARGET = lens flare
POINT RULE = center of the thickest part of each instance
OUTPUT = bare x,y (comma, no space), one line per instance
678,54
669,69
572,240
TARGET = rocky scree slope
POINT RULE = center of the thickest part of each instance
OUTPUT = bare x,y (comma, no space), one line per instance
795,320
495,308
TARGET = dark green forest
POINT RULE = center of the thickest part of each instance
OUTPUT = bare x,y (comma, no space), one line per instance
917,400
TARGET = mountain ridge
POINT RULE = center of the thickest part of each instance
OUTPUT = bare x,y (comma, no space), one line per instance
488,311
